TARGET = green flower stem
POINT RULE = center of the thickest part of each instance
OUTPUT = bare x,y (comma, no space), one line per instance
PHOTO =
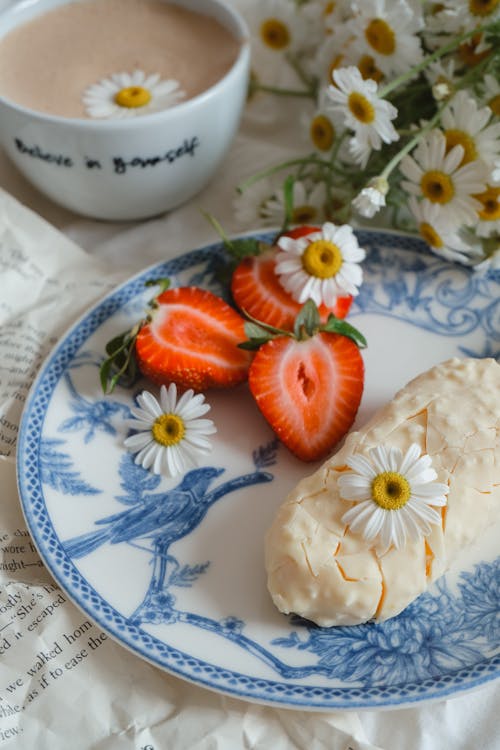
456,42
304,94
393,163
306,80
336,147
308,160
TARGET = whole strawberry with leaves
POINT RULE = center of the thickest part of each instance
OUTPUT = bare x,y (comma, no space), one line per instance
308,382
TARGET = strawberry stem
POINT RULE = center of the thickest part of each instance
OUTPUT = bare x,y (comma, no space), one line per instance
307,324
238,248
121,364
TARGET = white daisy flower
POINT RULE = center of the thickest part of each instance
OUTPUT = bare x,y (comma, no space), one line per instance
489,213
320,130
322,126
330,55
130,94
495,173
321,266
260,204
490,265
364,112
329,15
371,199
464,123
171,436
466,16
491,93
449,244
437,177
396,496
443,77
308,204
387,30
275,27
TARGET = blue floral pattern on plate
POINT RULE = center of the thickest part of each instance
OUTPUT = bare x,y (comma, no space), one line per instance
189,551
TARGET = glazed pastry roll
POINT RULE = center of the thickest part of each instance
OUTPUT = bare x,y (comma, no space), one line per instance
364,535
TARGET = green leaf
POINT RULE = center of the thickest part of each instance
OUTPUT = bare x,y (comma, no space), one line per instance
238,248
245,246
254,344
288,202
120,365
163,283
307,322
255,331
218,228
336,325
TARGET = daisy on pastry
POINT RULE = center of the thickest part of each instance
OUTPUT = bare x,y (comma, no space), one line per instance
385,516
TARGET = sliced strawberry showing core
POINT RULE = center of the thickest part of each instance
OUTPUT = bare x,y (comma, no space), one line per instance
309,391
257,291
192,340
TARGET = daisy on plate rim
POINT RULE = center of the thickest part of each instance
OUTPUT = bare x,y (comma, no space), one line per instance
449,244
322,265
130,94
170,435
395,496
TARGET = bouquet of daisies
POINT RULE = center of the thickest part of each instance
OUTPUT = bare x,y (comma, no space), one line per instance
400,105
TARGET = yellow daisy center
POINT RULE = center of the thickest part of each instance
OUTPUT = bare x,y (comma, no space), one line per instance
322,132
437,186
380,36
335,63
390,490
322,259
368,69
483,7
430,235
304,214
168,429
490,200
361,108
275,34
329,8
461,138
494,105
132,97
468,53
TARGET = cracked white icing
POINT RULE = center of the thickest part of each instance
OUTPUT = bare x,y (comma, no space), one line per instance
322,571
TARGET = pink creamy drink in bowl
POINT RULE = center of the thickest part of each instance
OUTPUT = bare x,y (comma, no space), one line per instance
120,109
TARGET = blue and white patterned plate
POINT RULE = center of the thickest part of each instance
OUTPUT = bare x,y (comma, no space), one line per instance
191,596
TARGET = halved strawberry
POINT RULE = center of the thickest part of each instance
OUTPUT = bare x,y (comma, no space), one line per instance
257,291
308,386
189,337
192,340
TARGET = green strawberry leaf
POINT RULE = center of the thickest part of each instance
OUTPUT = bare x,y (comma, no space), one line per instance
307,322
120,366
238,248
288,202
337,325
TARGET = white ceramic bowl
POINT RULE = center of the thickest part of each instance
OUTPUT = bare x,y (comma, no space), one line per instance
147,164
